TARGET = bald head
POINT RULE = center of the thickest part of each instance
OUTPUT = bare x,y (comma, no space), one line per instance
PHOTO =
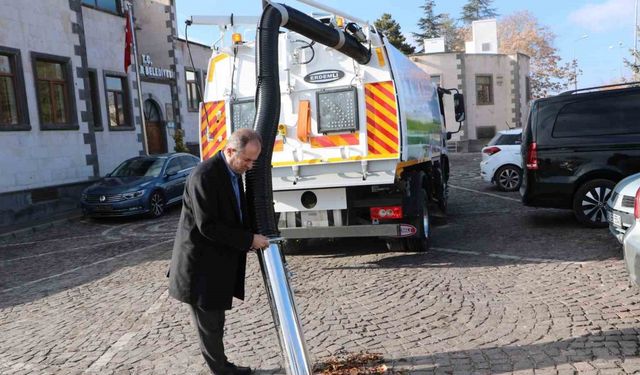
241,137
243,149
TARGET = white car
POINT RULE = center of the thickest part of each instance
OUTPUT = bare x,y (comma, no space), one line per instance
620,205
501,160
631,243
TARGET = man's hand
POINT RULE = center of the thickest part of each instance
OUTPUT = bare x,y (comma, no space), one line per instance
259,242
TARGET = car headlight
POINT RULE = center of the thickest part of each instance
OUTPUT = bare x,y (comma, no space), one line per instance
133,194
84,196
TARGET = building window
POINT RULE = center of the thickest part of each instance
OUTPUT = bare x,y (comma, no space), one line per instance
193,99
55,92
13,101
95,99
484,90
436,79
8,102
118,106
112,6
528,88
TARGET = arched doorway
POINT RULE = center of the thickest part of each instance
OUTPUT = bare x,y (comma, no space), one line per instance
156,135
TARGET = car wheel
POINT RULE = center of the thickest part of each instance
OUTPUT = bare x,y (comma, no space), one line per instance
590,200
156,204
508,178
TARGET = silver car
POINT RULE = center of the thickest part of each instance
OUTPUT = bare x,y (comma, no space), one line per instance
631,243
620,206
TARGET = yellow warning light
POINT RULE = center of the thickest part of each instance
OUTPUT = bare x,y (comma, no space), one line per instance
380,56
339,21
282,129
236,38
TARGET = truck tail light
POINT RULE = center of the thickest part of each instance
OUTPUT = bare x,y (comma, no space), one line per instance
387,212
491,150
532,157
636,206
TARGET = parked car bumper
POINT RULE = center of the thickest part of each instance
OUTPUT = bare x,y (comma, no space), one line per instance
555,194
619,222
486,171
631,245
126,208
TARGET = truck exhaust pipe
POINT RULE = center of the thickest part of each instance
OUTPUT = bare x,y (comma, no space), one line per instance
259,185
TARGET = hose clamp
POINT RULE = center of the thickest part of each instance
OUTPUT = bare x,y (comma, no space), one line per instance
283,12
341,40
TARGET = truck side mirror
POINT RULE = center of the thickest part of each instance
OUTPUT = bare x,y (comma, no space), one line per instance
458,106
449,134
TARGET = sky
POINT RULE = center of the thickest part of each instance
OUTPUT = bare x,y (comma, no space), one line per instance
598,33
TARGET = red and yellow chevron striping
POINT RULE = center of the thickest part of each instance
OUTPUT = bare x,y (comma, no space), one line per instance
335,140
213,128
382,118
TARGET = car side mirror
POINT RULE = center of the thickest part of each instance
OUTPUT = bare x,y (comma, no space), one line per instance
171,173
108,174
458,107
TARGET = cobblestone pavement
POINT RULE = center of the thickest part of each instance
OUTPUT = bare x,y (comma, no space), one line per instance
505,289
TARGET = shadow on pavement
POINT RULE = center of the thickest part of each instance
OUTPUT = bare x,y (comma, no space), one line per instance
599,346
58,259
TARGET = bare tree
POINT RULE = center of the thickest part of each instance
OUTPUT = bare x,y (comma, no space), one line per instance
521,32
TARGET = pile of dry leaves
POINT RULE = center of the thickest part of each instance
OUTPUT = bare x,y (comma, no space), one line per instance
352,364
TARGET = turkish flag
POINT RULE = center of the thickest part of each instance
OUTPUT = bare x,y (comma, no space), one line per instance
128,39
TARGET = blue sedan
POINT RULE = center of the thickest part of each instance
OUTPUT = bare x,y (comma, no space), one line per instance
140,185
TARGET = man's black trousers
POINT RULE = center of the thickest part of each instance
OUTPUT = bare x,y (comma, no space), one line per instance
210,325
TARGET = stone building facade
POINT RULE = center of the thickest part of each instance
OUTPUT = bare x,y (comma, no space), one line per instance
70,113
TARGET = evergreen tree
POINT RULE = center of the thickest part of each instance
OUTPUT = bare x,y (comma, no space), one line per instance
475,10
453,35
391,29
429,24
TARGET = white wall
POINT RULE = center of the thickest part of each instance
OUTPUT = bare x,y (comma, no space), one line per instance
501,68
36,158
498,113
190,120
104,34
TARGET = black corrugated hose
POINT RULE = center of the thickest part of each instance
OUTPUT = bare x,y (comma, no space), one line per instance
259,187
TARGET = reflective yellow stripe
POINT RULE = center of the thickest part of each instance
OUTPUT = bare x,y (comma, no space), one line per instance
212,65
382,96
378,122
213,112
221,146
333,160
379,150
384,111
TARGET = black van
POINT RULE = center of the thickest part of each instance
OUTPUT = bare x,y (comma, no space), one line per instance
577,145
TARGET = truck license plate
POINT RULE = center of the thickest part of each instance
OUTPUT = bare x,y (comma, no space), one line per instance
314,219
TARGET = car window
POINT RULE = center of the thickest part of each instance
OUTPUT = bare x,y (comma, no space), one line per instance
510,139
612,115
173,166
139,167
188,162
494,141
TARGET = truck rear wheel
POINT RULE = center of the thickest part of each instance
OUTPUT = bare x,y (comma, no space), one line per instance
420,216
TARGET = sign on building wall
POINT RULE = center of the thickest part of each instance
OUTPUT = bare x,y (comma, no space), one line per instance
148,70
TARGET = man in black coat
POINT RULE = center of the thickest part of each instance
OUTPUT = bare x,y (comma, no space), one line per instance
209,253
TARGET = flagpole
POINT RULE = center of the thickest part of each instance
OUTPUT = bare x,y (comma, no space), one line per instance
136,66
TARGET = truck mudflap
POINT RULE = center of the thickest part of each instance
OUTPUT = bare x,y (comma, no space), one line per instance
375,230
